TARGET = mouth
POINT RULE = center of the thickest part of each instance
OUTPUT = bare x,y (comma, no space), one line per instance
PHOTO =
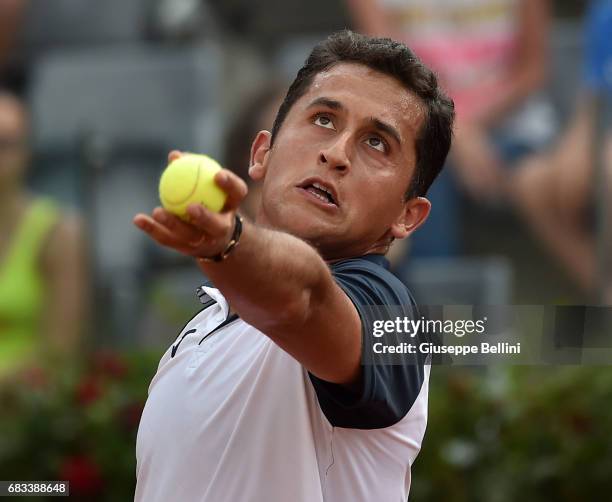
321,191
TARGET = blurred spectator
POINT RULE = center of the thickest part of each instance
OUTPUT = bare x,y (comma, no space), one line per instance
11,12
556,191
492,58
180,20
491,55
258,114
11,19
42,257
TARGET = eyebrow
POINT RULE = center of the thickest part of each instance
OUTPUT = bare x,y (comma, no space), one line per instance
329,103
384,127
374,122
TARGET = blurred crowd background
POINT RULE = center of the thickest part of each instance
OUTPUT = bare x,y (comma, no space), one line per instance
93,95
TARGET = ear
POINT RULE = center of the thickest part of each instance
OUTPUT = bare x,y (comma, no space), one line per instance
259,155
413,216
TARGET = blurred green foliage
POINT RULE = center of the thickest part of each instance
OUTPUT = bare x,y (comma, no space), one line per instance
519,433
494,434
76,423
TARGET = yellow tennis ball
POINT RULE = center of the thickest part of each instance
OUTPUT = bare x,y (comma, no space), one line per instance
190,179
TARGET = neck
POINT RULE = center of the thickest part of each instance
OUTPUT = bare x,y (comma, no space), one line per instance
381,246
381,249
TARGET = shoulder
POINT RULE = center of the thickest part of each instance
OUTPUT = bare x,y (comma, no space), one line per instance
367,280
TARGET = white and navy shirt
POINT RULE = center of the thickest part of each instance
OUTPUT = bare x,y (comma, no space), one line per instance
231,417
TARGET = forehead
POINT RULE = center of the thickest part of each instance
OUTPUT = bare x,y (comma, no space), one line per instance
369,93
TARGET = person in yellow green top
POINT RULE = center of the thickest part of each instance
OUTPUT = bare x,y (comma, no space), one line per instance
43,272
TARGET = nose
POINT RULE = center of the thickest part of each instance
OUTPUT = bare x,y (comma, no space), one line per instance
336,154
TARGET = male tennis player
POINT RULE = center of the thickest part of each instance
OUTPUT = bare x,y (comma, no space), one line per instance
264,395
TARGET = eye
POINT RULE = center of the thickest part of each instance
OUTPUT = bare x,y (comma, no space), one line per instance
377,143
324,121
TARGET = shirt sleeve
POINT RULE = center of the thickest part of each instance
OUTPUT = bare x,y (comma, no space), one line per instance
386,392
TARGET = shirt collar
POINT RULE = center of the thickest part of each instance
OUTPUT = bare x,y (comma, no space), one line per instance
378,259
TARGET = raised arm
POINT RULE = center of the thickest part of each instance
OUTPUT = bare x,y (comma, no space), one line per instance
274,281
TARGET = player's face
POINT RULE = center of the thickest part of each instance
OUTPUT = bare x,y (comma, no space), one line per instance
342,161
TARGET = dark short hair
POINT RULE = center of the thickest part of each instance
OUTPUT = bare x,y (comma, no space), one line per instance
395,59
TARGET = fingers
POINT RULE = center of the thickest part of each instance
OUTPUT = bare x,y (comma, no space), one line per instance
173,155
234,186
216,230
205,233
215,225
159,233
183,230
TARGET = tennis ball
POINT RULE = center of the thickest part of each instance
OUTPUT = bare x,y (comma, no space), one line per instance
190,179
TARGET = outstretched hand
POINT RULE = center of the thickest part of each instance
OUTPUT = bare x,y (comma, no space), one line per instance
206,233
